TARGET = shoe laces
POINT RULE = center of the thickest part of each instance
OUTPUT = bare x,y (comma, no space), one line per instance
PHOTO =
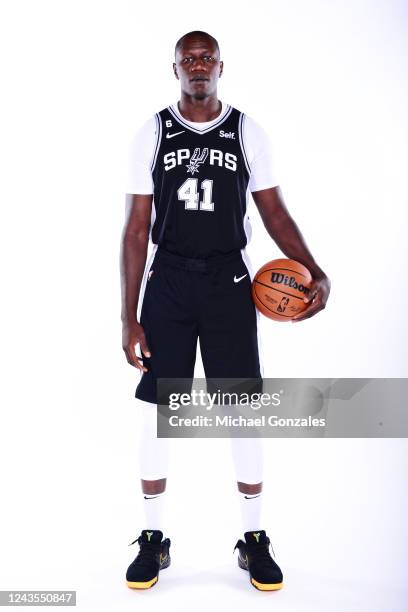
260,552
148,550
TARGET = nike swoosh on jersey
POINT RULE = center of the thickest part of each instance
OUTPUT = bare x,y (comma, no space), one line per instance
174,134
236,280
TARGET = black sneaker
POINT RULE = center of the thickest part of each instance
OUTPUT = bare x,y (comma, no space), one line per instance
255,557
153,556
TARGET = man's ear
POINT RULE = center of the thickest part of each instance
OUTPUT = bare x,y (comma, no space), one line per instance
221,67
175,71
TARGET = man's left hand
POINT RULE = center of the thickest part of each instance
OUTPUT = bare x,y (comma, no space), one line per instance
317,298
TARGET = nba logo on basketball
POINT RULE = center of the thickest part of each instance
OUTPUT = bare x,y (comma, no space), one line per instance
283,304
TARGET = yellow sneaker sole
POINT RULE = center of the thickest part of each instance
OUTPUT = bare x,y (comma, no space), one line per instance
142,585
266,587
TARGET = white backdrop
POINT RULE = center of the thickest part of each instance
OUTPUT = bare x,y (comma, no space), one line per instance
327,79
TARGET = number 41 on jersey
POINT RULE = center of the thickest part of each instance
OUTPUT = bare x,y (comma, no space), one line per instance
189,194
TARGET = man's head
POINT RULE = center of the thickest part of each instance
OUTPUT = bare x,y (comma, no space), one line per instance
197,64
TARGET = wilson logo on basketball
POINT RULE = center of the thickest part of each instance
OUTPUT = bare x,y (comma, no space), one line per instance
289,281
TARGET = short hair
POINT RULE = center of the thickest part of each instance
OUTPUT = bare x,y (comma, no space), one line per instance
197,34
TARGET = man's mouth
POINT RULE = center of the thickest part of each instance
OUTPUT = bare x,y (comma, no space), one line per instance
199,79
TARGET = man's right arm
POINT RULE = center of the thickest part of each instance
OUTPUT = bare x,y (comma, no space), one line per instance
133,253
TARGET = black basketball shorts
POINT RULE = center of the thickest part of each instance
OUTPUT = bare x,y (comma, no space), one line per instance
185,299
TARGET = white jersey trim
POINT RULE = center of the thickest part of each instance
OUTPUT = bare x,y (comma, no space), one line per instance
187,125
158,140
241,141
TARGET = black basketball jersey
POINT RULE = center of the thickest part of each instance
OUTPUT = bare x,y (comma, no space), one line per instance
200,185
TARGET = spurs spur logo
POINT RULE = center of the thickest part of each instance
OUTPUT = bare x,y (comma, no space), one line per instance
196,160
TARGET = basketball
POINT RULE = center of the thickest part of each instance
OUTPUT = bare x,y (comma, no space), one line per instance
279,288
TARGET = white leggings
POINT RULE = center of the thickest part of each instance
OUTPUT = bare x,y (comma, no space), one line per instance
247,453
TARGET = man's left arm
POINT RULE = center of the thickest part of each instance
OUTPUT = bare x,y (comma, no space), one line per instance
284,231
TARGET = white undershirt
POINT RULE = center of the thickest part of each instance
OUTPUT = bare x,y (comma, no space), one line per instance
257,144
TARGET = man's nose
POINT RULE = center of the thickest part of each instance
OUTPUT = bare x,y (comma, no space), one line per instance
198,64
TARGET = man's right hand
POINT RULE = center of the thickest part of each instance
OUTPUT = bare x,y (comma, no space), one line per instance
132,334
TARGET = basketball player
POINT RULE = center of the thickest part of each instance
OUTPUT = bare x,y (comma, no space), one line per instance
191,167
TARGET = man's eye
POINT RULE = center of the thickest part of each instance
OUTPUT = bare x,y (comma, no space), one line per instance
189,60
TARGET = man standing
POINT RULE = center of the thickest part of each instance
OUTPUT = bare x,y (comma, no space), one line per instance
191,167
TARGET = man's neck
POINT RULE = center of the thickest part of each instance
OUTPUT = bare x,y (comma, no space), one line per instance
199,110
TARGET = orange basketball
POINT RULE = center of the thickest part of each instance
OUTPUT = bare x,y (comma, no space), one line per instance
279,288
